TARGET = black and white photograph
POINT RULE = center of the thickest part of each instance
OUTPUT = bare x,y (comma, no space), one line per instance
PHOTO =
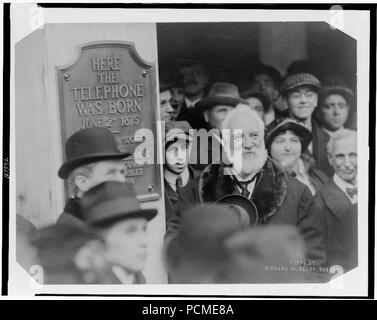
189,151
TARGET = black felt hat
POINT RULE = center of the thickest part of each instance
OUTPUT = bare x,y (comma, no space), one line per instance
110,202
89,145
220,93
275,128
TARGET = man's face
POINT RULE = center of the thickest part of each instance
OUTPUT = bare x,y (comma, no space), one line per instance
301,102
248,145
176,101
334,112
177,155
216,115
106,170
194,80
166,110
126,244
344,159
265,84
256,105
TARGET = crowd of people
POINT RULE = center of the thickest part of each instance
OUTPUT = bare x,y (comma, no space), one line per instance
268,195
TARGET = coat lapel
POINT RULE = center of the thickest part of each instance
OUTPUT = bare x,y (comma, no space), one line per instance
335,199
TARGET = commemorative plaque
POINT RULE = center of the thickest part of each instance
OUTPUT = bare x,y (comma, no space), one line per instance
110,85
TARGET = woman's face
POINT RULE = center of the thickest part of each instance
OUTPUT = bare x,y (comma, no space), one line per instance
286,149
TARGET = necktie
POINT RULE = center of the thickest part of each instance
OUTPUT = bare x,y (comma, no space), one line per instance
178,184
352,192
243,185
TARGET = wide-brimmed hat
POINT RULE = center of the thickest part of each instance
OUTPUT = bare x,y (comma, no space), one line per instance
242,206
176,130
346,93
298,80
110,202
89,145
276,127
220,93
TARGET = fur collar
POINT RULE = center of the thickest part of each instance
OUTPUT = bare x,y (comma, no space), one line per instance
269,192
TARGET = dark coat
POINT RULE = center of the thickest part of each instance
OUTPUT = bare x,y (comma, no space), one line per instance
279,198
320,139
193,116
72,213
171,196
341,232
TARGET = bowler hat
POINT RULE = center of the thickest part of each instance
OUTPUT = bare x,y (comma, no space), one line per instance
220,93
276,127
110,202
346,93
242,206
294,81
89,145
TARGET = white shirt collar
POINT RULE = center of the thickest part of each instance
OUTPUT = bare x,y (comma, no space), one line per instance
123,276
343,185
191,103
172,177
331,133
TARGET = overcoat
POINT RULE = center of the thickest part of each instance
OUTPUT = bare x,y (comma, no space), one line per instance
279,198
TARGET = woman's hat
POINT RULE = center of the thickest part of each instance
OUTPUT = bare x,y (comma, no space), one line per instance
110,202
277,127
220,93
89,145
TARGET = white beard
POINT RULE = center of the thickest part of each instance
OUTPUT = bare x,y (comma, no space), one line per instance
249,167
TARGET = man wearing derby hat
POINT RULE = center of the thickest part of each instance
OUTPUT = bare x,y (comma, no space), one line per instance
300,92
279,198
92,157
194,81
113,209
222,98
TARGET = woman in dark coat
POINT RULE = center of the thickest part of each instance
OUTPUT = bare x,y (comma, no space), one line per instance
287,143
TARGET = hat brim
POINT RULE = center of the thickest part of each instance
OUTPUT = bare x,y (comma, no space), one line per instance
315,86
243,202
210,102
72,164
147,214
298,129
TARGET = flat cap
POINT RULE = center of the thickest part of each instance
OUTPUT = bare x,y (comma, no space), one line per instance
299,79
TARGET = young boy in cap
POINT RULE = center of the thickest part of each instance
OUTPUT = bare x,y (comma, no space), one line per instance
300,93
113,209
92,157
177,171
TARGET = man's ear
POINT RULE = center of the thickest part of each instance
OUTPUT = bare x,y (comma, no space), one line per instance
89,256
206,116
82,183
329,158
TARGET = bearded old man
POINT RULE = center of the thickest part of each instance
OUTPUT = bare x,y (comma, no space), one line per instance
280,199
